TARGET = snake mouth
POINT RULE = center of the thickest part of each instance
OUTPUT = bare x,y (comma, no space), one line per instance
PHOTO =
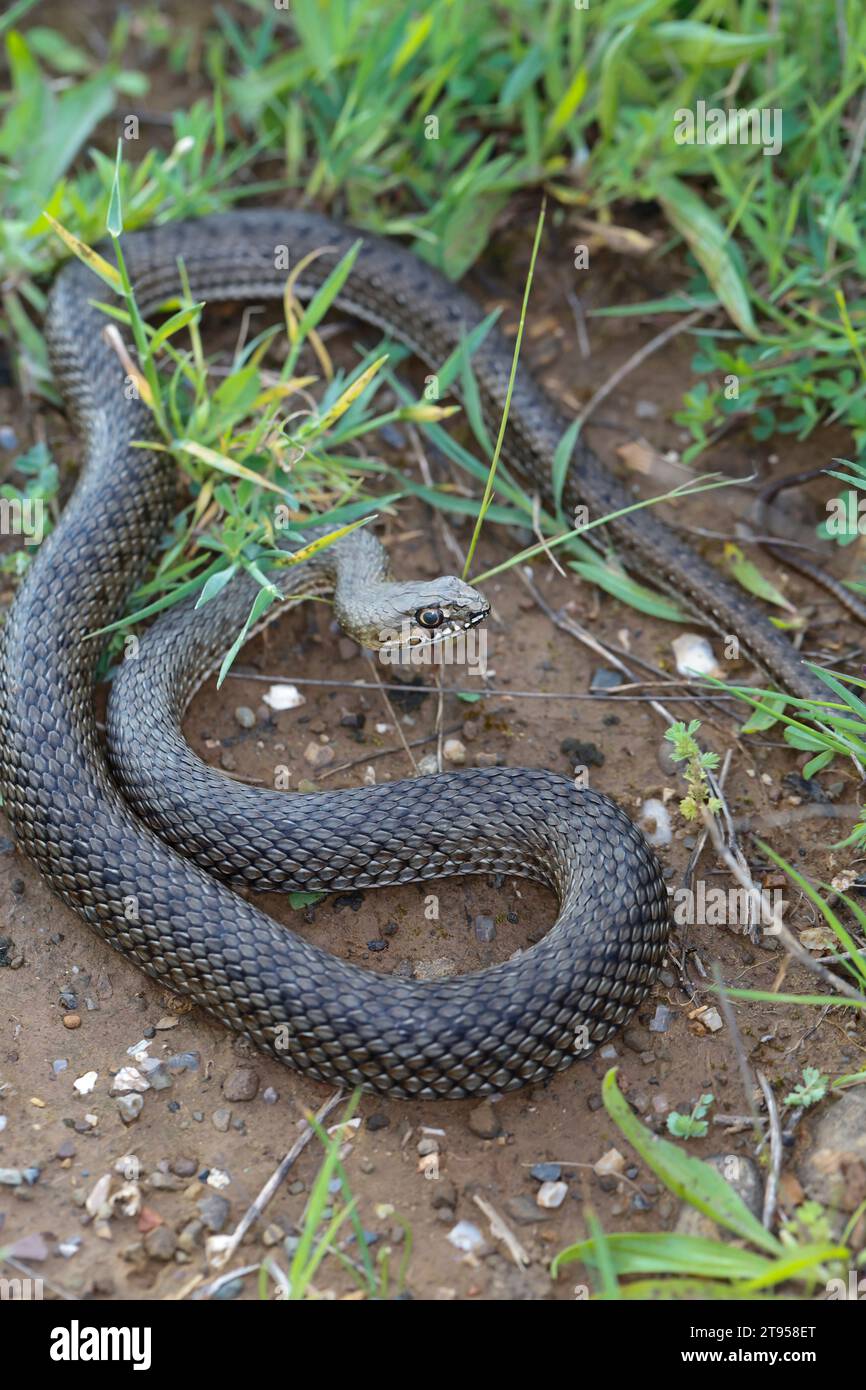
411,635
450,628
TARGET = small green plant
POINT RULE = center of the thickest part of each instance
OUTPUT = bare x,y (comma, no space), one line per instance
698,764
251,462
330,1208
692,1126
810,1090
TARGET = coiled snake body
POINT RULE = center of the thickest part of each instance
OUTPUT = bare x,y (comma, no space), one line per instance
485,1032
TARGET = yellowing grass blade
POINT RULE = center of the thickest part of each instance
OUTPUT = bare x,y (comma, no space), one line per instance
428,414
225,465
352,392
85,253
322,542
281,390
291,307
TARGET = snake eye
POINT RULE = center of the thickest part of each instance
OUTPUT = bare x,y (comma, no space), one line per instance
429,617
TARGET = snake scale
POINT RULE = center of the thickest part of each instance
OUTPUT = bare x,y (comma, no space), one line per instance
485,1032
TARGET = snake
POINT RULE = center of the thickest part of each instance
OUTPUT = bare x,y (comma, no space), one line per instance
170,888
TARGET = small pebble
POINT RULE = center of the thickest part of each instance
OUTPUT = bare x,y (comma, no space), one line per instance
241,1085
319,754
71,1021
245,717
214,1211
525,1211
611,1163
694,655
551,1195
483,1121
466,1236
184,1167
130,1107
546,1172
605,679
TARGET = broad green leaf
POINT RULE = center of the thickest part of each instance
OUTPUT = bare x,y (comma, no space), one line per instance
299,900
750,578
174,324
762,719
467,232
697,45
803,1261
706,237
669,1253
215,585
623,587
690,1290
73,119
686,1177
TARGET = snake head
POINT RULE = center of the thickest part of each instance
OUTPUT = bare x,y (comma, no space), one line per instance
426,612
